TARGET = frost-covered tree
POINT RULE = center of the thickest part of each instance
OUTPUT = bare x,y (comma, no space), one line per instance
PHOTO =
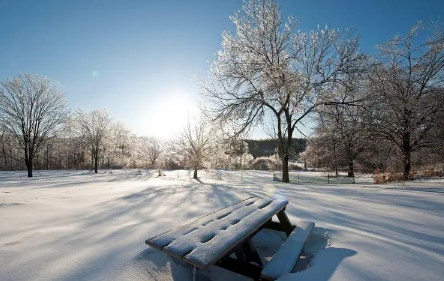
196,142
407,82
32,108
4,147
268,70
173,156
93,128
150,150
8,149
237,149
119,145
342,128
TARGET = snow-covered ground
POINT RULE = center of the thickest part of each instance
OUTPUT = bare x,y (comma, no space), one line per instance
72,225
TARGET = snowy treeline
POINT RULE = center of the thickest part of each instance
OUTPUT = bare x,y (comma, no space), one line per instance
382,111
92,140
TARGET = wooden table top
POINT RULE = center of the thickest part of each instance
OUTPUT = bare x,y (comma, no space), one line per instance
206,240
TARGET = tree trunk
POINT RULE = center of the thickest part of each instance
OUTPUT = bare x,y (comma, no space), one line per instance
29,167
285,174
28,162
351,172
407,166
195,174
286,149
5,157
335,159
47,158
406,151
96,164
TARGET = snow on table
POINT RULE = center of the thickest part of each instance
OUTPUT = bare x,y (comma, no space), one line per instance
206,240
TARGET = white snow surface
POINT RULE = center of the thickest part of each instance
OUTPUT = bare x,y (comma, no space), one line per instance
75,225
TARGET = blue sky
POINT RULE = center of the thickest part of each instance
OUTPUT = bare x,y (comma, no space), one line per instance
139,59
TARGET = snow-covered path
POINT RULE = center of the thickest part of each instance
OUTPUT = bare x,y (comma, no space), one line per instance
81,226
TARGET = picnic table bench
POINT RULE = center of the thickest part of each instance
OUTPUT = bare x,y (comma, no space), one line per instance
212,239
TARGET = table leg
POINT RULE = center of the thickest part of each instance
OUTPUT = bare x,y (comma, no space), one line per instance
285,222
240,254
251,252
273,225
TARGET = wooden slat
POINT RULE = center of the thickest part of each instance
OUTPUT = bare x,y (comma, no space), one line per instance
161,240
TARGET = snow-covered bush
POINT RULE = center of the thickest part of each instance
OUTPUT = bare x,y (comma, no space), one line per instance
265,163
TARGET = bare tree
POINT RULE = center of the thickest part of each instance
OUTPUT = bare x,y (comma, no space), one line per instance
269,71
408,83
93,128
195,143
4,146
342,127
150,150
8,149
31,109
237,148
321,152
173,155
119,144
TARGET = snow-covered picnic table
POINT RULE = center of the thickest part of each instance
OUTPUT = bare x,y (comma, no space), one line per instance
210,240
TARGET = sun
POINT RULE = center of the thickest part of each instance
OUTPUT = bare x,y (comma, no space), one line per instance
171,114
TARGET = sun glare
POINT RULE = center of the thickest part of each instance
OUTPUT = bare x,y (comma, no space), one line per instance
171,115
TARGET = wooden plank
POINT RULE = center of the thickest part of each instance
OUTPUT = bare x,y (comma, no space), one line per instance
161,240
288,254
248,240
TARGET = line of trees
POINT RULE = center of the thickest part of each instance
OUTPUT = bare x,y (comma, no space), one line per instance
270,70
398,113
37,131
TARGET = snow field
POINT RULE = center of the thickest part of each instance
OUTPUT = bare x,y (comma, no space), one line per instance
72,225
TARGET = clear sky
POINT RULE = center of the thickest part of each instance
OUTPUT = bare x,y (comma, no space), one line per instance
139,59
